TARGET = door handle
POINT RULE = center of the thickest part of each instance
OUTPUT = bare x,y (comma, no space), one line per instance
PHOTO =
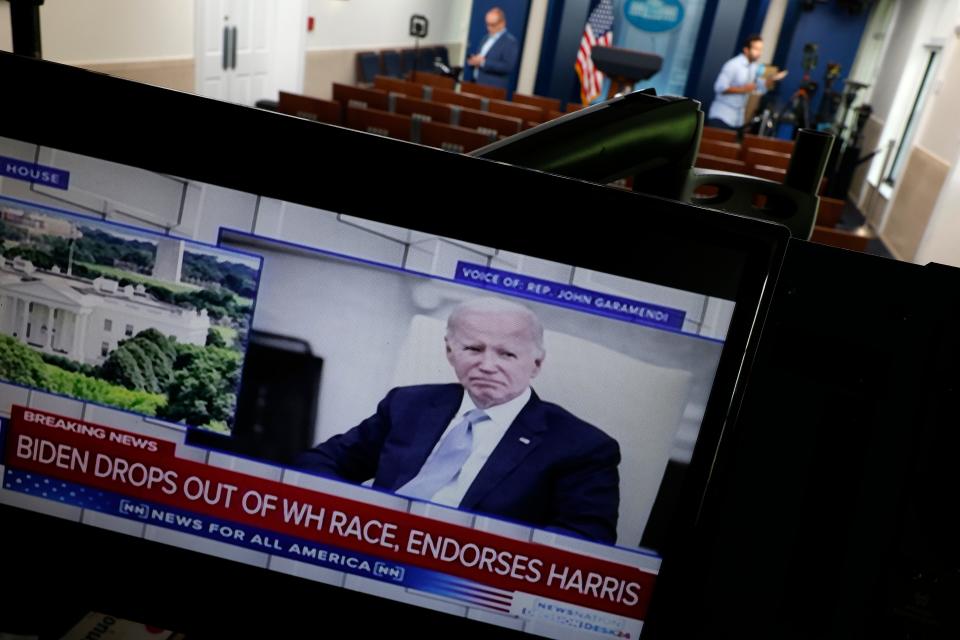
233,46
225,58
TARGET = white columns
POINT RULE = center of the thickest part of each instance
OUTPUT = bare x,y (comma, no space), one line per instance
48,338
7,316
75,345
24,319
80,335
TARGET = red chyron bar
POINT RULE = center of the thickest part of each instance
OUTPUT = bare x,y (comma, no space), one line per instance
126,464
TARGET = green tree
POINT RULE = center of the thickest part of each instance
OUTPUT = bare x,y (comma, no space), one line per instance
162,294
218,302
214,339
40,259
240,340
160,361
144,362
121,367
204,385
240,285
81,271
99,247
20,364
11,232
167,344
59,250
144,365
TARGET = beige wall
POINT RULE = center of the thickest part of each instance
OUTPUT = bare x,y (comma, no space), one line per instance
144,40
152,41
941,240
344,28
177,74
6,38
378,24
873,204
910,210
96,31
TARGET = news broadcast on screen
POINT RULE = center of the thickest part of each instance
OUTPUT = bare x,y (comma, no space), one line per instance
486,432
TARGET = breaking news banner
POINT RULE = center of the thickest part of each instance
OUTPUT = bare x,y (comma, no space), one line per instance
140,478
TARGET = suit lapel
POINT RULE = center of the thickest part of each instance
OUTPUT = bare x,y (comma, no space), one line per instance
521,438
429,425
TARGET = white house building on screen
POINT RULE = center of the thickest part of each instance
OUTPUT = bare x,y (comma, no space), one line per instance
82,320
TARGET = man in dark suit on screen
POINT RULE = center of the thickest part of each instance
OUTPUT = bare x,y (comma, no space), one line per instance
499,52
487,444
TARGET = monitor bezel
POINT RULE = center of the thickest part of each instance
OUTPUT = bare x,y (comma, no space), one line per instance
415,187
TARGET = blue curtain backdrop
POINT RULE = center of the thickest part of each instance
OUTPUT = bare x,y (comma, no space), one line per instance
834,30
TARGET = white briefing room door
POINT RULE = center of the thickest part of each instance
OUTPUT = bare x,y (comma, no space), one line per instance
248,50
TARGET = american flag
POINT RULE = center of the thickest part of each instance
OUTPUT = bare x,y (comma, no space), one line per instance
598,32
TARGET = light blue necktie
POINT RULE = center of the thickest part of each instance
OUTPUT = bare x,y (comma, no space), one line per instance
445,463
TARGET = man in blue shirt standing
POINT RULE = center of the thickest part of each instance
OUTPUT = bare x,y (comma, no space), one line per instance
739,77
499,52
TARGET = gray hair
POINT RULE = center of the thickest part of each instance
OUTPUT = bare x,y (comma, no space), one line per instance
492,305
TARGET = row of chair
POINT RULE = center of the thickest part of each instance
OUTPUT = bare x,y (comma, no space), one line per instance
398,64
447,107
769,158
404,122
532,109
756,155
462,129
489,116
749,139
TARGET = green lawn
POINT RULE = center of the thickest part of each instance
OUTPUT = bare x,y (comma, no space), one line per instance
116,274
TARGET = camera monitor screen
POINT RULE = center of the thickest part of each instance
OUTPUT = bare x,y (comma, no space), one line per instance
508,426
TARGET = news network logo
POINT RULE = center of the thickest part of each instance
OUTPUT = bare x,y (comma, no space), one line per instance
392,572
137,509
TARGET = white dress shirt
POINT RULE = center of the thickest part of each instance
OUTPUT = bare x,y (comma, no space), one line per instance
486,437
730,107
488,44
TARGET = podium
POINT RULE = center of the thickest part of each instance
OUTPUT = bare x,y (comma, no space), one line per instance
625,67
